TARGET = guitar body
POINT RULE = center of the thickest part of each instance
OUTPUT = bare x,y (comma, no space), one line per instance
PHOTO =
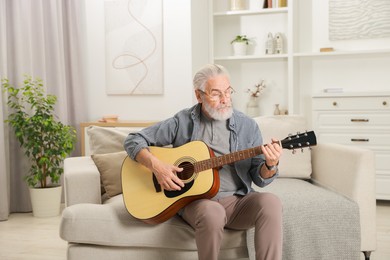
143,197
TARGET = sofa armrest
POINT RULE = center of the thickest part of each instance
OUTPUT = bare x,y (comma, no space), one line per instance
81,181
349,171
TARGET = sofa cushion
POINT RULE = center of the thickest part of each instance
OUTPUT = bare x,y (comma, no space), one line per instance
109,166
107,139
316,221
111,225
291,165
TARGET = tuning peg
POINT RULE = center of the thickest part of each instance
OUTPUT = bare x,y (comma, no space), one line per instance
293,151
301,150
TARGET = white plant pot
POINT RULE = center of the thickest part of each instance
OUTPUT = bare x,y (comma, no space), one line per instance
46,202
239,48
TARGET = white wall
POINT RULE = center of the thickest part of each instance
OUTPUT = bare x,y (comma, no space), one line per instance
177,66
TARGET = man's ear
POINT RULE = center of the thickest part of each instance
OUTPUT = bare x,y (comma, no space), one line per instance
198,97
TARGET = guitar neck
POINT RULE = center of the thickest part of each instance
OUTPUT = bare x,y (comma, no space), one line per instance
219,161
292,142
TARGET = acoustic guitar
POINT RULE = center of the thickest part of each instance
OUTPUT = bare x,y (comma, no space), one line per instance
147,201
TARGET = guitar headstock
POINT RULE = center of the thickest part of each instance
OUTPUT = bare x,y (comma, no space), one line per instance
299,140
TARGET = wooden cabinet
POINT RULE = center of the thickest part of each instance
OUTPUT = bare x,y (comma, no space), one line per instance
362,120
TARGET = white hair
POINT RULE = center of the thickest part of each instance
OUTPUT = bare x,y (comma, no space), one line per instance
206,72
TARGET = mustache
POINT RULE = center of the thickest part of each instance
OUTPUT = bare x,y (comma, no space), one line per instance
222,106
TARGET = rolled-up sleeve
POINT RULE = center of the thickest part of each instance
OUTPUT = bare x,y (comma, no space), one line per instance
160,134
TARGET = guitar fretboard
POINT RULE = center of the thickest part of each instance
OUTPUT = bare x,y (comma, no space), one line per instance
216,162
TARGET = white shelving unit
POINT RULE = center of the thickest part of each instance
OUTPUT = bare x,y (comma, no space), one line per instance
294,76
248,70
302,71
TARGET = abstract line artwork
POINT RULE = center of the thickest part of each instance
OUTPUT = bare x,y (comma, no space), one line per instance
133,46
359,19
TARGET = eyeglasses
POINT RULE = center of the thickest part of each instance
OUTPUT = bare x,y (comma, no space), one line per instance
216,95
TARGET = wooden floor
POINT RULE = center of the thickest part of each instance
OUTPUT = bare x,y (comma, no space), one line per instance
26,237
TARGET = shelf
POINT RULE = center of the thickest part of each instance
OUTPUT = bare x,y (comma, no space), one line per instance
253,57
341,53
253,12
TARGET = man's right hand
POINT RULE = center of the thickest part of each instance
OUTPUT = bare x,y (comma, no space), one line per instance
165,173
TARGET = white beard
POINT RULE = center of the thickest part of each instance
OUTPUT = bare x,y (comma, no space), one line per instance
218,114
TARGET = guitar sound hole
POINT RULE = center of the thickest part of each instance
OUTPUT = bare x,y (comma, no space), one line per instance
187,174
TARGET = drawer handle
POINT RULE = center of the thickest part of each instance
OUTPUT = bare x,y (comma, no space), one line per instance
360,140
384,103
334,103
359,120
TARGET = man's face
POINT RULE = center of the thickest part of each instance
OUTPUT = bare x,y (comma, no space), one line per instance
216,99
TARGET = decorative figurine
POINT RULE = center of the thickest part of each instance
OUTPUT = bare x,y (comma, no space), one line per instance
269,47
278,43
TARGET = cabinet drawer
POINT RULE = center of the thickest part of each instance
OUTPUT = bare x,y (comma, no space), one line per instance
373,140
358,120
382,162
351,103
383,187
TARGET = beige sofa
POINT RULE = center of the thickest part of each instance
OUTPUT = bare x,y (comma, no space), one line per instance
328,197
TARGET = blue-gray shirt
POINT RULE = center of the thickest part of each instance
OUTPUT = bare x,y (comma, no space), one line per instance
185,127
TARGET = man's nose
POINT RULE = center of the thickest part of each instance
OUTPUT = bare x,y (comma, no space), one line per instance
223,98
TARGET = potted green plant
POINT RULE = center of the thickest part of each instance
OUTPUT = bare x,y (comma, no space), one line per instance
240,44
44,140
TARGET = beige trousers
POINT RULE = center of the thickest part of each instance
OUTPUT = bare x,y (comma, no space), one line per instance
260,210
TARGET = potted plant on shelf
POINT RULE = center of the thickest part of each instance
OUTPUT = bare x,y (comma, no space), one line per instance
240,44
44,140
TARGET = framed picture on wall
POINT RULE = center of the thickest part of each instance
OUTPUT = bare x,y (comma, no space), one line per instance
133,47
353,20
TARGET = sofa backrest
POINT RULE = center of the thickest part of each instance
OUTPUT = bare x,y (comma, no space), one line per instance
291,165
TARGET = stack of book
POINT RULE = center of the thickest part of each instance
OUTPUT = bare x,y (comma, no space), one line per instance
274,3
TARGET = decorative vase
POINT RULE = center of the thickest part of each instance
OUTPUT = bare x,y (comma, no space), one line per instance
252,107
236,5
46,202
239,48
277,110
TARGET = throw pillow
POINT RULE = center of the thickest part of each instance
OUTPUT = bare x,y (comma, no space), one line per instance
109,166
107,139
291,165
